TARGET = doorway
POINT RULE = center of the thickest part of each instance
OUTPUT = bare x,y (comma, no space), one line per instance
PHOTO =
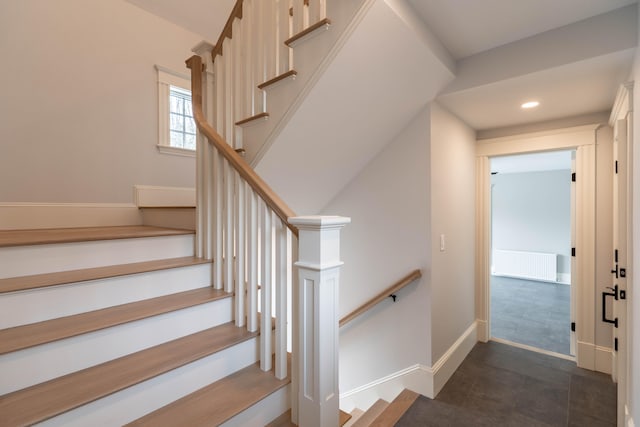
531,240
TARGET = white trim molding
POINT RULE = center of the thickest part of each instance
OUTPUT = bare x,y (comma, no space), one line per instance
148,196
452,358
28,215
176,151
584,140
167,78
419,378
628,419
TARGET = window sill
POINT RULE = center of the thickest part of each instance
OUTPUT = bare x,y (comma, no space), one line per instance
176,151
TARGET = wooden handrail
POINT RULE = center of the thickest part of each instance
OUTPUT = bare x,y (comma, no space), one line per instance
381,296
227,31
273,201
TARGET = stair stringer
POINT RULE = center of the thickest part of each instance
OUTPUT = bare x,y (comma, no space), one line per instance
312,55
386,70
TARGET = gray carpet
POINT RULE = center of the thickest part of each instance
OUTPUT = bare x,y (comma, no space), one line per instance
501,385
531,313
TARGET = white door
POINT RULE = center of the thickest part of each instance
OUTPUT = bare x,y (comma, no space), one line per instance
619,264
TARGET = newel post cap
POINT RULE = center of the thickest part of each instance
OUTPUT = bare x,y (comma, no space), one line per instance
319,241
319,222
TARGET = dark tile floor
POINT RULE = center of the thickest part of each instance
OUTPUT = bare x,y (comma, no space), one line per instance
531,313
501,385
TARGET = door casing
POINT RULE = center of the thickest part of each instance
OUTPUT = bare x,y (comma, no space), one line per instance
583,139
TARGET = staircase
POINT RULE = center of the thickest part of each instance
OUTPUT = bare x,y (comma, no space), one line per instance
115,324
383,413
145,325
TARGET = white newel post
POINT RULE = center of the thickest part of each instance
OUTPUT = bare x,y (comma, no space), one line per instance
317,345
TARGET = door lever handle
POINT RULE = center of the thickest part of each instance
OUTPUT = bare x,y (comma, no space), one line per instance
604,305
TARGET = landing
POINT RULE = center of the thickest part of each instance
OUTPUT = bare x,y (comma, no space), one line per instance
500,385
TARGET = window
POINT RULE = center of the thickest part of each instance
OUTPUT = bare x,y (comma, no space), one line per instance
176,127
182,127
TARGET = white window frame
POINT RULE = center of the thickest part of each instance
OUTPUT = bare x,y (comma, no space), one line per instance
167,78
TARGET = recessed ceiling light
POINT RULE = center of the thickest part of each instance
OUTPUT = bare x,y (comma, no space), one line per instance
530,104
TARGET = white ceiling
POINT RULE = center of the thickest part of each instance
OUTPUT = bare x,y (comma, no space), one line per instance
203,17
537,162
467,27
570,90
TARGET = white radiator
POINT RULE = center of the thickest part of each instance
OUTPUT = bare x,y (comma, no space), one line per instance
525,265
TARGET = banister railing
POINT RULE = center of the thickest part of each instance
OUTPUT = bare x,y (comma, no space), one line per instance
258,185
251,235
254,52
389,292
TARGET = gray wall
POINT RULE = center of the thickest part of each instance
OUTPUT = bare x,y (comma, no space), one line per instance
531,211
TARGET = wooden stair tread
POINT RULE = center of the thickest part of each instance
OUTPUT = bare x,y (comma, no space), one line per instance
20,337
51,398
13,284
10,238
396,409
310,29
217,402
371,414
344,417
284,420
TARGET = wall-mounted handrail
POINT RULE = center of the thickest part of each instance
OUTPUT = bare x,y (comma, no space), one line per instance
391,290
258,185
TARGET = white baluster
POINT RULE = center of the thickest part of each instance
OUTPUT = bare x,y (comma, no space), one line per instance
230,81
283,33
258,56
250,87
268,253
300,17
318,279
283,284
220,85
315,11
240,252
228,226
239,83
252,261
217,209
269,39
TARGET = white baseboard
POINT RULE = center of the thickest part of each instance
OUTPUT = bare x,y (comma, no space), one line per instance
594,357
417,378
564,278
628,419
147,196
604,359
483,330
424,380
452,358
25,215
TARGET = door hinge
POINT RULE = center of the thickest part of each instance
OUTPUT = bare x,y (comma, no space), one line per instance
615,344
573,251
573,177
573,326
616,166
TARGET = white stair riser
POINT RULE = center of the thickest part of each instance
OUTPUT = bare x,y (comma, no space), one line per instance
263,412
31,366
38,259
36,305
136,401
